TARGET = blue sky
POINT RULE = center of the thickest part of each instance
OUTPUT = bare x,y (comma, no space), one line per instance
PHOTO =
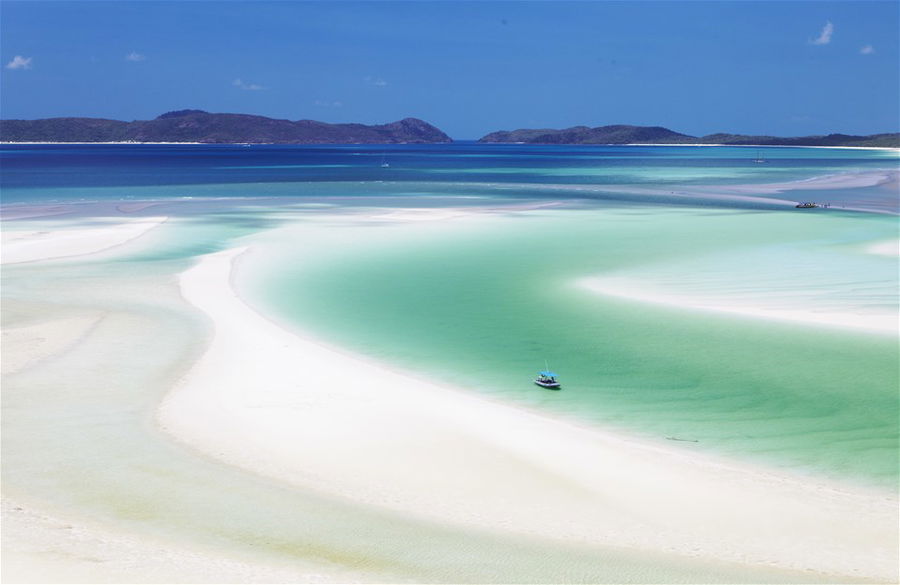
782,68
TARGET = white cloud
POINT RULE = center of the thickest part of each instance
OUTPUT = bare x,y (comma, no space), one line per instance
134,56
867,50
825,36
329,104
376,81
247,86
19,62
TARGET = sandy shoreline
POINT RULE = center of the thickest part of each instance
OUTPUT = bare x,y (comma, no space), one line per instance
636,290
277,403
41,548
260,394
21,246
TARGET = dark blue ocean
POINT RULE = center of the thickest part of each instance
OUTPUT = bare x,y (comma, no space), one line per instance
86,172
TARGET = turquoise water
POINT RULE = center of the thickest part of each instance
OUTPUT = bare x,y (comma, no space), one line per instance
484,304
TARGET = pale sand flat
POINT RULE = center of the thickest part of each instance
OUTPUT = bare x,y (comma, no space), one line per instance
30,246
637,290
138,206
34,211
288,407
888,248
849,180
28,345
39,548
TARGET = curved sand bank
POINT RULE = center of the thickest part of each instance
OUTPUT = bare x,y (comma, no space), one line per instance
741,195
288,407
635,289
872,191
64,466
847,180
30,246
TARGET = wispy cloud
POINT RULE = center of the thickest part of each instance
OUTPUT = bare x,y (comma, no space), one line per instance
329,104
376,81
867,50
19,62
134,56
825,36
247,86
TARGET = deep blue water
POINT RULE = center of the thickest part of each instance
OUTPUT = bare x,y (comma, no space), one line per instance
123,171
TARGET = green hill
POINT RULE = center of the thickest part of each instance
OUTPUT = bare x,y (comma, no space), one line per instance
200,126
621,134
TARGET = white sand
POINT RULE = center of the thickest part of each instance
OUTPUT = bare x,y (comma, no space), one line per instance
30,211
634,289
887,248
286,406
38,548
28,345
279,404
31,246
850,180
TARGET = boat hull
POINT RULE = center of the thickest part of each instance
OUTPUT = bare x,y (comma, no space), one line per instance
548,385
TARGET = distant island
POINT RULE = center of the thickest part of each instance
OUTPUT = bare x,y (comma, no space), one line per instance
622,134
189,126
204,127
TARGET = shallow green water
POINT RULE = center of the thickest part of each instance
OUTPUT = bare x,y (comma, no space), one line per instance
81,442
483,306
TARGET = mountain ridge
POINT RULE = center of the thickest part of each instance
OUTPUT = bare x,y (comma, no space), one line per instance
219,128
627,134
191,125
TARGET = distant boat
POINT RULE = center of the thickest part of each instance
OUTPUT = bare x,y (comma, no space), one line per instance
806,205
384,163
547,379
759,159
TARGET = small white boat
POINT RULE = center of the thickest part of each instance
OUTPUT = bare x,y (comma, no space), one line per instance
547,379
759,159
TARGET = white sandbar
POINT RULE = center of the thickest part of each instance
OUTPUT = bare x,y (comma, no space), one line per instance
30,246
38,548
284,405
634,289
25,346
887,248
